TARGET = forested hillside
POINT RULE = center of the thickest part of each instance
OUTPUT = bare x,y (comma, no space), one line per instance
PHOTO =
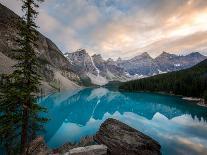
189,82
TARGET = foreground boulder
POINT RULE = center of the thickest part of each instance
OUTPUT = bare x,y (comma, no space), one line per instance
122,139
89,150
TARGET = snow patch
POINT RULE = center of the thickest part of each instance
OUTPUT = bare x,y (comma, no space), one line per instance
97,70
161,72
177,65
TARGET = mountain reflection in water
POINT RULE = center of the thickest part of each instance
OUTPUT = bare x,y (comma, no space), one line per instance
179,126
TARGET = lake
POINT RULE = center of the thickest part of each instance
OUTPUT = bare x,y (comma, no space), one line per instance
178,125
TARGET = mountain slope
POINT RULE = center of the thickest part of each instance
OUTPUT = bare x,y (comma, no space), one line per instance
170,62
189,82
142,65
50,57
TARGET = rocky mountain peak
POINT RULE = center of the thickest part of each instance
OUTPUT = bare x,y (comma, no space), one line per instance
144,55
97,56
196,54
119,59
165,55
81,52
110,60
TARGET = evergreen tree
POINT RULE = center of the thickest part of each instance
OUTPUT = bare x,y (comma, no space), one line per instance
26,75
9,116
19,115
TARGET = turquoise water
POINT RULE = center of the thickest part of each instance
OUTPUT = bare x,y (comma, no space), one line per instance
179,126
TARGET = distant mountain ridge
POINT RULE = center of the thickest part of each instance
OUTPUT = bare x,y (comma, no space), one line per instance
191,82
147,66
102,71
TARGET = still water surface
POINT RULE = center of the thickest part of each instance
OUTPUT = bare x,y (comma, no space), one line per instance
179,126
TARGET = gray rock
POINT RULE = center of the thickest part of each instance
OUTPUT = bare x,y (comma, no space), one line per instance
38,147
89,150
122,139
85,141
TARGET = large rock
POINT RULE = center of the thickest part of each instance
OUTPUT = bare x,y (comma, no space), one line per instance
89,150
122,139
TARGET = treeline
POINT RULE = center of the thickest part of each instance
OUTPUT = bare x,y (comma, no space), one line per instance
190,82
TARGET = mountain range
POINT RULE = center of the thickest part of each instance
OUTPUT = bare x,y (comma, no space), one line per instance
102,71
72,70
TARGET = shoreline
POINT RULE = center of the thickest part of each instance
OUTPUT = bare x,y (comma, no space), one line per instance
198,101
195,100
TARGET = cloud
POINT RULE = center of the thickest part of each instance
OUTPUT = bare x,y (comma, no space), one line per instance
62,34
114,27
14,5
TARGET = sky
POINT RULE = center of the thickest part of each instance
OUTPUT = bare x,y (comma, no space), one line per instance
123,28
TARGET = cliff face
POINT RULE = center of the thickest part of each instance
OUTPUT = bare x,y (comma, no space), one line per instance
52,61
99,71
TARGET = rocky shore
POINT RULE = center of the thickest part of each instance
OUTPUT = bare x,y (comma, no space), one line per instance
198,101
113,138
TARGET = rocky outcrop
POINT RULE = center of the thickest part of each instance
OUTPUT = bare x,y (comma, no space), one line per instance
122,139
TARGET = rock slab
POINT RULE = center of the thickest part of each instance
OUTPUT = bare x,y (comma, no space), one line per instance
122,139
89,150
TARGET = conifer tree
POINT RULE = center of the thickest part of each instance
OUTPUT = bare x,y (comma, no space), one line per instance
19,109
26,75
9,116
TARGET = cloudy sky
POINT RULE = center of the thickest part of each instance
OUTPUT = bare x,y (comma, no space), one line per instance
123,28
